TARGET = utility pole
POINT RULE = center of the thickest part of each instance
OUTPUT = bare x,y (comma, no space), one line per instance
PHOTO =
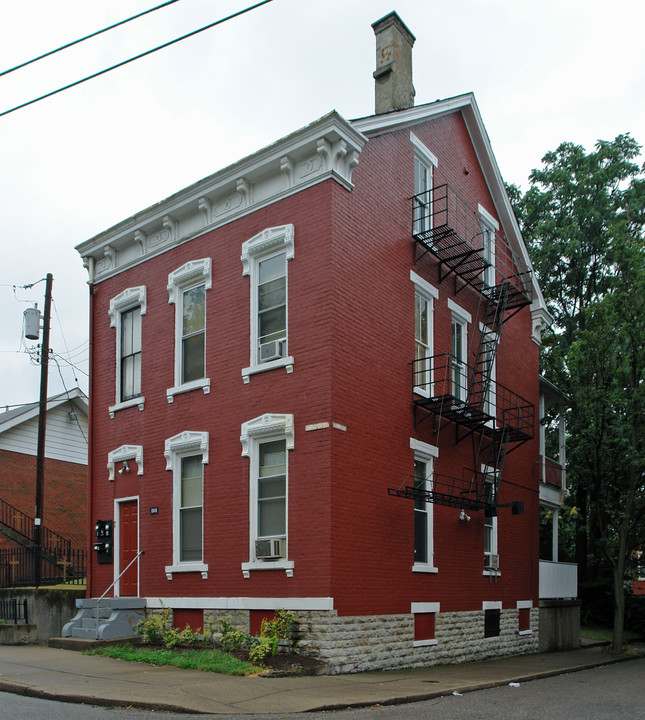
42,421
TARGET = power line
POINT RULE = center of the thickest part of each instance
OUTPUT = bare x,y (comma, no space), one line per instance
87,37
136,57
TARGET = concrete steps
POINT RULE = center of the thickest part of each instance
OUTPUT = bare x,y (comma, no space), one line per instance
107,619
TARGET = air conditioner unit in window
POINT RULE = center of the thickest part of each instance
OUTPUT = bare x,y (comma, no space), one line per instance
272,350
493,562
269,548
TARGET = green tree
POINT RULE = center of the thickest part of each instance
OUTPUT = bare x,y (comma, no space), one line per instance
583,220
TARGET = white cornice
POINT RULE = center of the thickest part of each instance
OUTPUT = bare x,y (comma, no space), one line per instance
327,148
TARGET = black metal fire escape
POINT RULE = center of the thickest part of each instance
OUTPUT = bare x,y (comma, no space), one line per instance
490,414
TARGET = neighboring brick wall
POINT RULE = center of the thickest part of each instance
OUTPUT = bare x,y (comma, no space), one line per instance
64,494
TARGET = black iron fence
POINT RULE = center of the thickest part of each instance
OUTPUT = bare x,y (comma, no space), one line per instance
18,567
14,610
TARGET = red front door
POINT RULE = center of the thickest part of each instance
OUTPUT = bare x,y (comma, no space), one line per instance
128,547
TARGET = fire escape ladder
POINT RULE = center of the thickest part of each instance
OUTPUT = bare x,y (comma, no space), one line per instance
480,380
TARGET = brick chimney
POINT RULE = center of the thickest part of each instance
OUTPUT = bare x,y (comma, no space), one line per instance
393,74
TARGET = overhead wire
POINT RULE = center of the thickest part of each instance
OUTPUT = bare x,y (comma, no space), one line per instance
83,39
136,57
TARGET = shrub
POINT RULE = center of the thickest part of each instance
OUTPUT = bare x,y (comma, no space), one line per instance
156,630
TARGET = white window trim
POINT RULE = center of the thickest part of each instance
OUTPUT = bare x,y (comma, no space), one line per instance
463,318
429,293
492,605
491,400
123,453
268,242
124,301
185,443
265,427
525,605
425,607
191,274
426,453
424,153
495,544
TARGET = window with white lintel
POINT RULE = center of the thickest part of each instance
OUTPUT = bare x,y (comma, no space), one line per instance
187,288
126,311
265,259
267,441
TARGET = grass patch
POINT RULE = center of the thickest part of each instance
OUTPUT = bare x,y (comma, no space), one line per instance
205,660
594,632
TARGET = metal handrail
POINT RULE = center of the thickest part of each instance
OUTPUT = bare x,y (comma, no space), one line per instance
125,569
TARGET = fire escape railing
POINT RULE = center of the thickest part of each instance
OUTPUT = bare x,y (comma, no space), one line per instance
443,386
446,226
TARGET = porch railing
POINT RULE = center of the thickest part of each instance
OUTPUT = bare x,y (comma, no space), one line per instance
558,580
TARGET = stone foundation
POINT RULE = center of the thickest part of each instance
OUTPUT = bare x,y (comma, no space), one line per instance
352,644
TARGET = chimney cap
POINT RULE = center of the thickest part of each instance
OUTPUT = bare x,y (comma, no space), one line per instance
393,19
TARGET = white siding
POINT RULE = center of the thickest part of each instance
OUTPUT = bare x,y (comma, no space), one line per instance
64,439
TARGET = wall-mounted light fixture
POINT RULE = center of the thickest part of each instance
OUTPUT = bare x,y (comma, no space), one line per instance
462,514
125,468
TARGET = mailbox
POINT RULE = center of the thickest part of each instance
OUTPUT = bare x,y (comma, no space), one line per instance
103,544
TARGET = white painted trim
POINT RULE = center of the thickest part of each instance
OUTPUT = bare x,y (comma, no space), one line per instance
423,151
424,643
326,149
242,603
425,607
266,427
125,452
524,604
487,217
423,449
126,300
462,314
268,243
176,447
492,605
423,286
191,274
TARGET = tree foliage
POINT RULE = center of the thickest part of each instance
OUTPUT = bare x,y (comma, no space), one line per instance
583,218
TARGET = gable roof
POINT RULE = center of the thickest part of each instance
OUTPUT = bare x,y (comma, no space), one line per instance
24,413
466,104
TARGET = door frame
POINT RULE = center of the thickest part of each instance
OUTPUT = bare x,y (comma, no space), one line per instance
117,541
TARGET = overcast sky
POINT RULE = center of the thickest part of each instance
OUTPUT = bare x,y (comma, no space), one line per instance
543,71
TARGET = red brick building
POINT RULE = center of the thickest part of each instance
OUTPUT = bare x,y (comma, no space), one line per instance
313,386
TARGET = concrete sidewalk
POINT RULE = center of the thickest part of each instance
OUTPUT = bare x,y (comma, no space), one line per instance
70,676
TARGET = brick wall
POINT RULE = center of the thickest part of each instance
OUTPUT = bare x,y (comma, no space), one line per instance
64,494
351,332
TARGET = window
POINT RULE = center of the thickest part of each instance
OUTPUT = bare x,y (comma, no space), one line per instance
186,455
424,162
425,614
524,617
492,616
126,310
190,509
491,556
265,258
489,227
424,455
459,372
187,288
266,441
130,354
424,295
